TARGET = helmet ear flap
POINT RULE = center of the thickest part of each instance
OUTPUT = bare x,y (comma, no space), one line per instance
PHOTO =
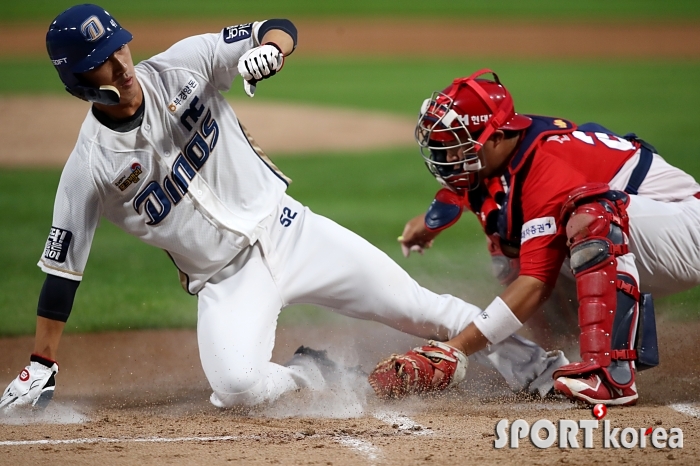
106,95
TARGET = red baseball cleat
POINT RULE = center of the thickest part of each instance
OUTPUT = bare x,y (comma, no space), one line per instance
592,390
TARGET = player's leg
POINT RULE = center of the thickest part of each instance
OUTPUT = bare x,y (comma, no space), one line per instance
316,261
238,310
609,299
664,238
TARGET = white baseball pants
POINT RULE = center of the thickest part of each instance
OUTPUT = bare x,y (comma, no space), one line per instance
665,240
306,258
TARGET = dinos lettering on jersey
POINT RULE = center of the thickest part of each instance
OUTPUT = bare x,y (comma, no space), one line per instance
235,33
157,199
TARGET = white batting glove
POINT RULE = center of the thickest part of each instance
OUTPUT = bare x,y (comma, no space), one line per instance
258,64
34,386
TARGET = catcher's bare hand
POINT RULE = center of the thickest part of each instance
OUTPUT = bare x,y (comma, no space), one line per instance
430,368
416,237
34,386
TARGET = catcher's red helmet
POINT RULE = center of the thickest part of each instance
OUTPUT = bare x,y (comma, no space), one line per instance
464,115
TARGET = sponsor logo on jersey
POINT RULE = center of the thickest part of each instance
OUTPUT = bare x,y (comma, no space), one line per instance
538,227
233,34
92,29
185,93
57,244
129,176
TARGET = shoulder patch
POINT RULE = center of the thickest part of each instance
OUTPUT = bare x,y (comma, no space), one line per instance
57,244
538,227
129,176
233,34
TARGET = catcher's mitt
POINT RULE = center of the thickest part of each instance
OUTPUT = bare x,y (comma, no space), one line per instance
415,371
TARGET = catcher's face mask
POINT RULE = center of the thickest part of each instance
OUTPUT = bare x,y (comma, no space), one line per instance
453,118
448,149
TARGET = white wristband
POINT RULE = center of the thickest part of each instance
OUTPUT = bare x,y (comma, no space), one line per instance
497,322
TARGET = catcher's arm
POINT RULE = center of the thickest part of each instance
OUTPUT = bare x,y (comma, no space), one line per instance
438,366
504,316
416,236
420,231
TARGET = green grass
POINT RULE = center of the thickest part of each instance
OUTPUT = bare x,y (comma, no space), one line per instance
657,100
593,10
128,284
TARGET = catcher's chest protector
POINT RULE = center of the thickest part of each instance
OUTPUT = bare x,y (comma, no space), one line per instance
607,288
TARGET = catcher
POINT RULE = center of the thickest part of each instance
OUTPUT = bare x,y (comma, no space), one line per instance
546,190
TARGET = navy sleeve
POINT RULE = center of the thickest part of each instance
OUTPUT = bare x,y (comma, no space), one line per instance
56,298
281,24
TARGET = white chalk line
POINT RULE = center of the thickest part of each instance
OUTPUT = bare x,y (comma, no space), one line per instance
399,421
686,409
224,438
370,451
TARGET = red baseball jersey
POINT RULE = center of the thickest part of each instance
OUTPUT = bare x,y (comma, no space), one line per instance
559,164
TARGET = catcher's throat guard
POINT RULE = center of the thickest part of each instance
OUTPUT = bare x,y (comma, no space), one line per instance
617,334
426,369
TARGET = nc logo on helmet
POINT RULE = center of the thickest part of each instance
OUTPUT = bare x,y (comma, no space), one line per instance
92,29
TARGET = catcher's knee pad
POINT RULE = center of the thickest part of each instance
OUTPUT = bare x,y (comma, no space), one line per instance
609,297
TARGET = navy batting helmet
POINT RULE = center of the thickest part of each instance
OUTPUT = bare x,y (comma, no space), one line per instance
81,39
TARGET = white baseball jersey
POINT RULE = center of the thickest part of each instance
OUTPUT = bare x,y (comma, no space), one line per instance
178,182
190,181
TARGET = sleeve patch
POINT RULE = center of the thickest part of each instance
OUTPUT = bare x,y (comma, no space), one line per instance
538,227
57,244
237,33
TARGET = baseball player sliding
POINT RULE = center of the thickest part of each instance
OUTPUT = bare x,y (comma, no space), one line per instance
162,155
544,189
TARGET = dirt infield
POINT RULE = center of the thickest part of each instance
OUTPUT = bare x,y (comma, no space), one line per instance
141,397
278,128
443,38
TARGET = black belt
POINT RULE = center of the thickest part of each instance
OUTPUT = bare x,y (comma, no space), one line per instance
640,171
